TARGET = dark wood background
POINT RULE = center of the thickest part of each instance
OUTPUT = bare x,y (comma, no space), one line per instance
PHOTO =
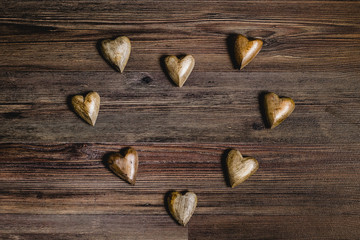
53,183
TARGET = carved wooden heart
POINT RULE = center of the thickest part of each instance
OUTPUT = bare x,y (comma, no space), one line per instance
87,108
179,69
117,52
182,206
246,50
240,168
125,166
277,109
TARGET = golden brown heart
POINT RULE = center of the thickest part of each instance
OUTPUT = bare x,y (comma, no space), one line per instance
240,168
182,206
117,52
125,166
246,50
179,69
277,109
87,108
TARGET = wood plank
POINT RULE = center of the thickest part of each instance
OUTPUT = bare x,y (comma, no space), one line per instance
64,191
293,180
296,39
147,10
112,226
211,107
280,227
70,56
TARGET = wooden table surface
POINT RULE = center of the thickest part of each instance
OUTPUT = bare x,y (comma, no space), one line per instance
53,183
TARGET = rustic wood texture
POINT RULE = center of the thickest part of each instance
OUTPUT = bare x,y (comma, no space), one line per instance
53,181
147,107
313,187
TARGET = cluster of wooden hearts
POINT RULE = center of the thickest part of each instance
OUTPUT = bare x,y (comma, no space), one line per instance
182,205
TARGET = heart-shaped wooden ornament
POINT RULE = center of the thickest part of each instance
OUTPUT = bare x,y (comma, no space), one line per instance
117,52
87,108
277,109
182,206
240,168
179,69
125,166
246,50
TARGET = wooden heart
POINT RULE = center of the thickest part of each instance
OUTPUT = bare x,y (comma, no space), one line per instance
246,50
240,168
87,108
117,52
182,206
277,109
179,69
125,166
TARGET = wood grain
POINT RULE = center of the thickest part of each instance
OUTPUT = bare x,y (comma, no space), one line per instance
91,226
280,227
298,35
297,182
53,181
212,107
